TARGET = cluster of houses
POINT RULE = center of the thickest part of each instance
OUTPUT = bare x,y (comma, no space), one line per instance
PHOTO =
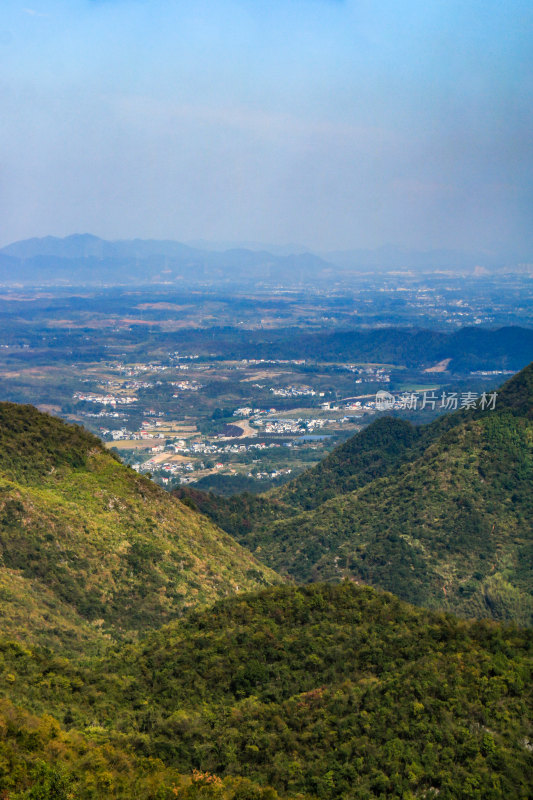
138,369
105,399
124,433
132,385
100,414
256,361
177,357
247,411
296,391
167,467
351,405
485,373
291,425
208,448
369,374
277,473
169,471
186,386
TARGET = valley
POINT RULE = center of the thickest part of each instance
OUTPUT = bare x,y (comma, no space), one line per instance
268,544
266,400
200,387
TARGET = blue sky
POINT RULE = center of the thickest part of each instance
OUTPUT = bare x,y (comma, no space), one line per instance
331,123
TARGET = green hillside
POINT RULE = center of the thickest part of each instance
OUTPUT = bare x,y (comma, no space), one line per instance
441,515
40,760
376,451
323,691
88,547
326,691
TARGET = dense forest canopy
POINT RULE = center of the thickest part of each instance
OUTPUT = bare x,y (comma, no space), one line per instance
320,692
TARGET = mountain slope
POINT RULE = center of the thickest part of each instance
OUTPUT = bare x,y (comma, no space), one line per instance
443,518
378,450
333,692
88,535
374,452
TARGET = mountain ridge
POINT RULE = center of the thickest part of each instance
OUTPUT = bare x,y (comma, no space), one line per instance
93,537
94,260
443,517
50,259
315,692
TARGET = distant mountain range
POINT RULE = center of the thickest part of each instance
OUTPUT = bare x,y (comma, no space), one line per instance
87,259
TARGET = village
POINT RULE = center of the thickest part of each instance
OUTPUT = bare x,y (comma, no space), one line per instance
194,418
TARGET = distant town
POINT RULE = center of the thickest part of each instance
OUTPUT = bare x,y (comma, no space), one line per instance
234,392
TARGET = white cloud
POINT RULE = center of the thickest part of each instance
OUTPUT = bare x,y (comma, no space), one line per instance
33,13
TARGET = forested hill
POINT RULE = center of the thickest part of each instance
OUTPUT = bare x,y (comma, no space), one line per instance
88,546
441,515
467,348
331,692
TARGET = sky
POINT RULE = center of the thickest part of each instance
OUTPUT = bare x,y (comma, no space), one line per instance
330,123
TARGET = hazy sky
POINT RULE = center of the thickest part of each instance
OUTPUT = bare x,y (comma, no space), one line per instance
332,123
